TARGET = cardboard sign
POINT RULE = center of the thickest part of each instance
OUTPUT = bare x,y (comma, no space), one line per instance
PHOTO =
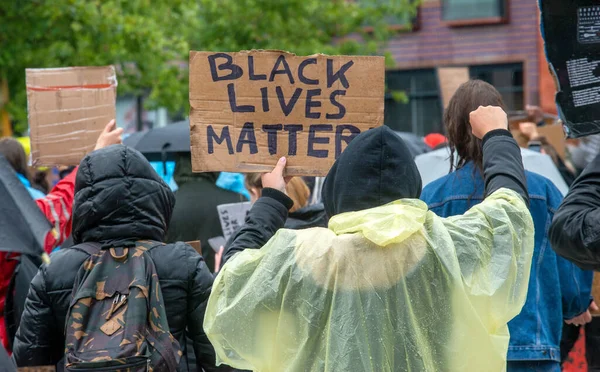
553,132
571,31
252,107
196,245
450,79
232,217
596,291
554,135
67,110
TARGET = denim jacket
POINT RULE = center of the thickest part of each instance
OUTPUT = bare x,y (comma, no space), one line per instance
558,290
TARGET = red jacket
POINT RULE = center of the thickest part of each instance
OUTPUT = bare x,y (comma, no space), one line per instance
57,207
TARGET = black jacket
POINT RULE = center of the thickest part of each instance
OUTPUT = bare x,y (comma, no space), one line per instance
307,217
376,168
118,198
575,230
195,216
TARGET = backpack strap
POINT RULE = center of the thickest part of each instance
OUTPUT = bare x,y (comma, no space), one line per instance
90,248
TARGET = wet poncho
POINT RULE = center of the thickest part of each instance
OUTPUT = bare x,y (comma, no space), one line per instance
392,288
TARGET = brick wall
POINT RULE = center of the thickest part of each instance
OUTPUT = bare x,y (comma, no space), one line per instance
436,44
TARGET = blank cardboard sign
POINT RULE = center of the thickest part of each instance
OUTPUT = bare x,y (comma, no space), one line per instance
67,110
450,79
252,107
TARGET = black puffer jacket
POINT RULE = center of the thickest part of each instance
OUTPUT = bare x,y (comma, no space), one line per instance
118,198
575,230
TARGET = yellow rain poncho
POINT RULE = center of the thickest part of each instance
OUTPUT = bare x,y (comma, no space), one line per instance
392,288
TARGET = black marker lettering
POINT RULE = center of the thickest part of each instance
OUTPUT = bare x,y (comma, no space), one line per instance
272,130
293,129
265,99
339,75
233,103
212,136
310,104
304,79
236,71
286,69
247,136
312,139
251,70
342,109
287,107
339,137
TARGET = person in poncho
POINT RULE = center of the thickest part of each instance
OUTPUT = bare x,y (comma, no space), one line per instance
388,286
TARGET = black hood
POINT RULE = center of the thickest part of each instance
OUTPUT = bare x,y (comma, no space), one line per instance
119,196
306,217
375,169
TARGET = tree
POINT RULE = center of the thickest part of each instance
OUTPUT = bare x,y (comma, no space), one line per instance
149,40
303,27
140,37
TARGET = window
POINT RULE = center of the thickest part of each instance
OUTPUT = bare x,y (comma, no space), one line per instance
422,114
507,78
399,22
466,12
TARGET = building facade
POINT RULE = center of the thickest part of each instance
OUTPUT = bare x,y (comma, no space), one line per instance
498,40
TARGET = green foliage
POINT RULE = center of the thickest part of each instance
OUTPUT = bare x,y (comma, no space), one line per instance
140,37
399,96
303,27
149,40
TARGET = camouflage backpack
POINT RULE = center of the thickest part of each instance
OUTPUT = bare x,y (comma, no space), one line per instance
116,319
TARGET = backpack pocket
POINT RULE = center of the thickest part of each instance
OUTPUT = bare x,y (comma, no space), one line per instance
128,364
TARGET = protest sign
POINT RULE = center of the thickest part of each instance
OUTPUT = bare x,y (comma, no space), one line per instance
196,245
252,107
449,80
67,110
232,217
571,31
552,131
596,291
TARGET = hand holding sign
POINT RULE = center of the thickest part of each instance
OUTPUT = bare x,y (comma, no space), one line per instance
111,135
486,119
275,179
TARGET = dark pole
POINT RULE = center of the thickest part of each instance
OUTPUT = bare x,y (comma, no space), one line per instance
139,111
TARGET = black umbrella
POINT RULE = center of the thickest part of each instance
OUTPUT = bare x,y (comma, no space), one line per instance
158,142
132,139
415,144
6,364
23,227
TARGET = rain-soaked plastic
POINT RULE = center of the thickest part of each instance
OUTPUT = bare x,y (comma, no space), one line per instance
393,288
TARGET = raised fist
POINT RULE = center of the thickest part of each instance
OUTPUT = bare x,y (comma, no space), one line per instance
486,119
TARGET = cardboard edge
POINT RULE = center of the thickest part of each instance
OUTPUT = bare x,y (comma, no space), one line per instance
193,54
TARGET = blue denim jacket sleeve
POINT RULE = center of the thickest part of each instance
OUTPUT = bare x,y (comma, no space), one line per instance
575,284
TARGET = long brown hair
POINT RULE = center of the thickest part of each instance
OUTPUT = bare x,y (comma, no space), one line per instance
15,154
296,189
468,98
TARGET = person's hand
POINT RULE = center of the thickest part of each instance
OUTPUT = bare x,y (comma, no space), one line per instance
486,119
219,258
593,307
275,179
585,317
529,130
111,135
535,113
